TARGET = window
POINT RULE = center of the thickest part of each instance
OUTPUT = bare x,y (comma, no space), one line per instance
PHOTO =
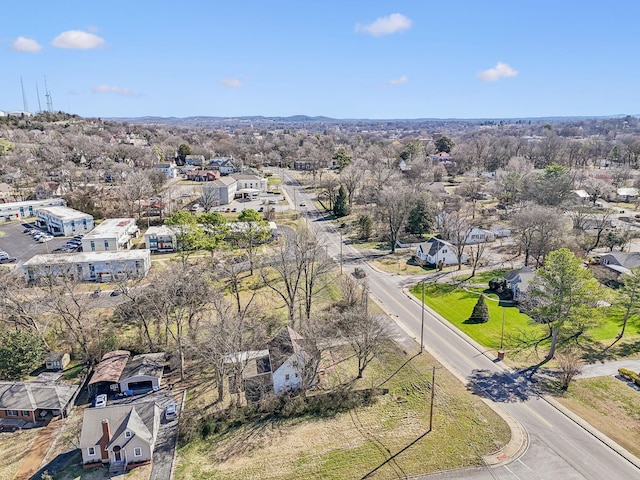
286,376
128,434
137,452
106,245
93,246
91,451
12,413
26,413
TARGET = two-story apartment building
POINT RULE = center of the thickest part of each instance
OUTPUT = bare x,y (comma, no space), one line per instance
17,210
160,239
89,266
63,221
111,235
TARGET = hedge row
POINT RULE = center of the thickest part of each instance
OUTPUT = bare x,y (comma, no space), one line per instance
629,375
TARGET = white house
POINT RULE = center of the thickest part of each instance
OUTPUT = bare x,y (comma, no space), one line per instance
518,281
63,220
227,188
142,373
120,435
437,252
627,194
250,185
17,210
479,235
111,235
160,239
169,169
281,368
224,165
89,266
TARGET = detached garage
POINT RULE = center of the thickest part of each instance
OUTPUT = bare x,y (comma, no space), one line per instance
142,373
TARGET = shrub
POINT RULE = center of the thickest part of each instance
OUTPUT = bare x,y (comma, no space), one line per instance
629,375
480,312
497,284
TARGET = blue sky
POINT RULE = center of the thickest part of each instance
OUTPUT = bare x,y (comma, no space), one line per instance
347,59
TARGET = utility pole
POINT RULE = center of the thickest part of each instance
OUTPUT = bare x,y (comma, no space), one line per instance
433,396
341,261
422,319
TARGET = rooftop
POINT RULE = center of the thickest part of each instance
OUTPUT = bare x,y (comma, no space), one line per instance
64,213
33,203
110,367
30,396
85,257
113,227
145,364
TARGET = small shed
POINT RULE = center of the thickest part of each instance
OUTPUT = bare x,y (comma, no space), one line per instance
56,361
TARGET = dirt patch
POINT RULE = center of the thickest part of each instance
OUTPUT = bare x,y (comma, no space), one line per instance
12,449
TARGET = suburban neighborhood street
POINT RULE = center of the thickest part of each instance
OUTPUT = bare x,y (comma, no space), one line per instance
558,447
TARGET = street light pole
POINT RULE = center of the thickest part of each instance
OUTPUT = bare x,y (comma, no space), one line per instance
341,261
501,351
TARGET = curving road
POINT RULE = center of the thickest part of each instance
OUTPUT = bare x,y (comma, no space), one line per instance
558,447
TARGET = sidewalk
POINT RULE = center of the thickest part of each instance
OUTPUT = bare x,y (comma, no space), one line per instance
602,369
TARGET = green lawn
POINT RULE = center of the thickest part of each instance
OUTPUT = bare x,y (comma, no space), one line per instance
456,304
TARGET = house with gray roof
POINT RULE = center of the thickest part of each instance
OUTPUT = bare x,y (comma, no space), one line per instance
438,253
32,404
119,372
621,262
122,436
518,281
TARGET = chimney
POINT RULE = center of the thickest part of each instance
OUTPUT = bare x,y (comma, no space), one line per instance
104,440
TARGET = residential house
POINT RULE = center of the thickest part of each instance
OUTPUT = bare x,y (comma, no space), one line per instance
281,368
160,239
250,186
627,194
26,404
123,436
17,210
56,361
500,232
89,266
49,189
169,169
224,165
438,253
118,372
518,281
203,175
195,160
112,235
581,196
63,220
479,235
621,262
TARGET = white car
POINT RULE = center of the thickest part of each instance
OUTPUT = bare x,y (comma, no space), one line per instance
45,238
101,401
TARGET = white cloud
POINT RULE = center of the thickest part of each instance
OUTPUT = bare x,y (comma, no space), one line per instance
231,82
399,81
23,44
77,40
501,70
124,91
394,23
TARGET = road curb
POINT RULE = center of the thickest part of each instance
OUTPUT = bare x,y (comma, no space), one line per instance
519,441
581,422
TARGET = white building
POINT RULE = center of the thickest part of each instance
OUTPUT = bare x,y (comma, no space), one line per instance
227,188
63,220
17,210
160,239
251,182
169,169
438,253
112,235
479,235
89,266
224,165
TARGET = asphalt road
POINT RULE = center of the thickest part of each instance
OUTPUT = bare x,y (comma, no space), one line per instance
558,447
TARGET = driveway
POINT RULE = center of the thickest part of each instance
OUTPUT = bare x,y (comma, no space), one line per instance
608,368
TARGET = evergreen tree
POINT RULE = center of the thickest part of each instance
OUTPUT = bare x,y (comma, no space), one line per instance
480,312
341,207
420,220
365,226
20,352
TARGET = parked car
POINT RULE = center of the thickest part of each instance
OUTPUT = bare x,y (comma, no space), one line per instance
358,272
302,204
96,293
8,260
119,291
234,209
261,209
171,412
101,401
78,237
45,238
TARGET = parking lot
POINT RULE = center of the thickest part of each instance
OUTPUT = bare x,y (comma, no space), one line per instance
23,246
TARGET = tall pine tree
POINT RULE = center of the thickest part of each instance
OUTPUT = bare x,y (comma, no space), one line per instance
341,207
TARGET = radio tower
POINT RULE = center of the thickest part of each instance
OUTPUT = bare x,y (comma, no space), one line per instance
25,106
38,94
47,95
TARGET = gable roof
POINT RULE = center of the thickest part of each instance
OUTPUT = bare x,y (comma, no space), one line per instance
110,367
627,260
33,396
149,364
433,246
139,418
523,272
286,342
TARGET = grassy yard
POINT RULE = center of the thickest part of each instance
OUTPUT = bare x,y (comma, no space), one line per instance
456,304
12,450
610,405
352,443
